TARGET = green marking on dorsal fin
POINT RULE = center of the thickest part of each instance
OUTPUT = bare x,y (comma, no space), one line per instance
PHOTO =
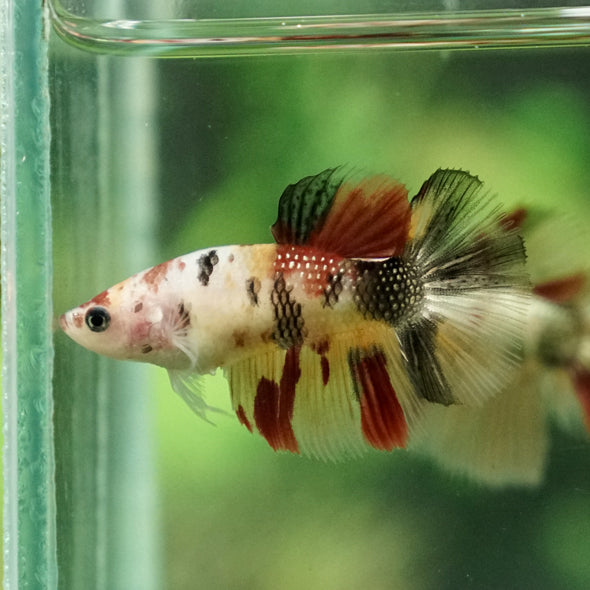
304,205
364,218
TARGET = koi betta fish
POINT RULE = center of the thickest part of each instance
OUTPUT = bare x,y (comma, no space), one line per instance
505,440
367,310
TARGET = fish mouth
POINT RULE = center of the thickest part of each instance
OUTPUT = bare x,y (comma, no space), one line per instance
71,321
63,322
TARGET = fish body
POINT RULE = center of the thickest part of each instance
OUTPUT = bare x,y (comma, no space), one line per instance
367,310
213,307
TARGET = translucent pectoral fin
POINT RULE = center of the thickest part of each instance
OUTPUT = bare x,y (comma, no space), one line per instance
188,385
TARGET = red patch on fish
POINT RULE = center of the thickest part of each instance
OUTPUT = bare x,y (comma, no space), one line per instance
369,219
181,265
242,418
325,370
78,320
309,266
142,331
561,290
581,379
382,419
154,276
513,220
101,299
273,405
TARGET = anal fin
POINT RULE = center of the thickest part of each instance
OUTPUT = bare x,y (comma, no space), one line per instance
273,404
330,399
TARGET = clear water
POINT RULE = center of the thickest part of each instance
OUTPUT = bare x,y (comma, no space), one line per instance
152,158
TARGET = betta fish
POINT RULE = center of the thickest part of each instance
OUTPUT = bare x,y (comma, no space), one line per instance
368,309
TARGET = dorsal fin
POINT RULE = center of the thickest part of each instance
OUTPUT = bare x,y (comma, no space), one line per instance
365,219
304,205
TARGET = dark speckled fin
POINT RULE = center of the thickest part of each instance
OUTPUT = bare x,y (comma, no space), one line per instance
368,218
468,338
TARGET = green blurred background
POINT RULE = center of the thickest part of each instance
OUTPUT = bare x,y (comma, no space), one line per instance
230,134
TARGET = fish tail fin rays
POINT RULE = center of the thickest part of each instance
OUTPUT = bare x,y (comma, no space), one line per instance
337,213
504,442
330,399
468,338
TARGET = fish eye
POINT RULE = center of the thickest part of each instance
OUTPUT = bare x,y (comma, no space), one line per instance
98,319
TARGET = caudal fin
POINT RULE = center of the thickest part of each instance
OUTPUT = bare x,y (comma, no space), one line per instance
468,338
505,441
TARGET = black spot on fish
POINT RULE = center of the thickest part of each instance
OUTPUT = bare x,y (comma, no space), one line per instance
184,317
389,291
252,289
289,326
353,358
145,348
138,307
206,263
332,290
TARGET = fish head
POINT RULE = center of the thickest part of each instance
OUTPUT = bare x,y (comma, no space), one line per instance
127,322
